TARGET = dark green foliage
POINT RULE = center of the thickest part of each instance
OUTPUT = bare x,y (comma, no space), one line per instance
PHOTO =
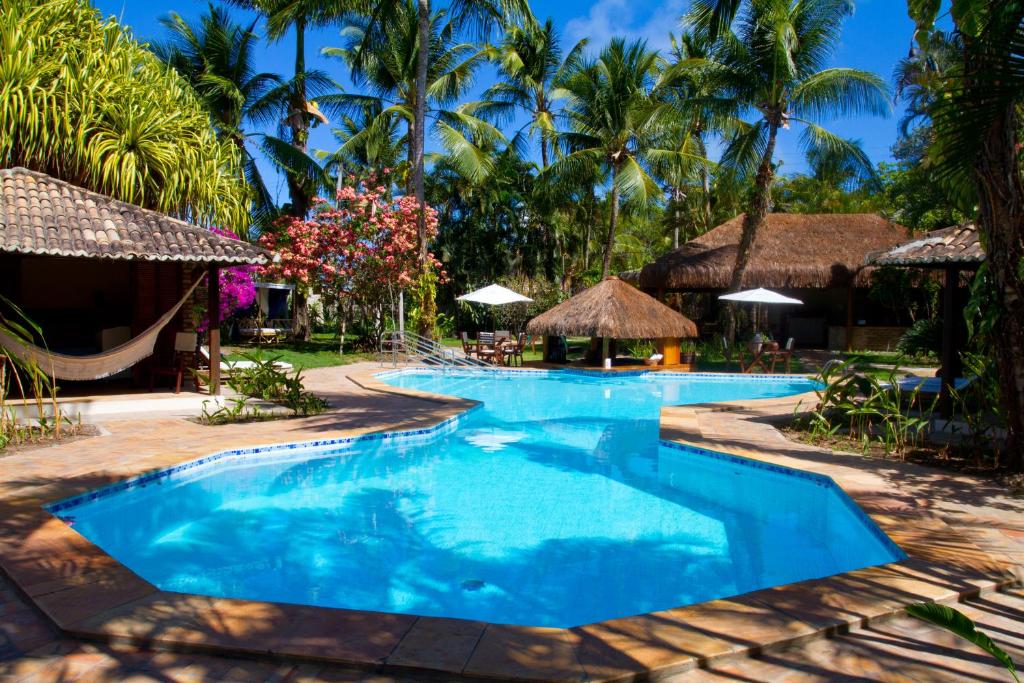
924,338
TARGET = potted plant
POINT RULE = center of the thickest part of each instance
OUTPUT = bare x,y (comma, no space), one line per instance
687,351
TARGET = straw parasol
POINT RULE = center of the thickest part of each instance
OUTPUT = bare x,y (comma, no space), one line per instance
613,309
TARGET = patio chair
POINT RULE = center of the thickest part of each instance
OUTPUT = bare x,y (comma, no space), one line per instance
485,348
784,355
757,359
502,335
468,347
184,358
516,349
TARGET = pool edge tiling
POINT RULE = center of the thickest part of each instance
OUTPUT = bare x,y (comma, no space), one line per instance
88,594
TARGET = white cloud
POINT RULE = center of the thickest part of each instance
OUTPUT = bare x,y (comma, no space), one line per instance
651,20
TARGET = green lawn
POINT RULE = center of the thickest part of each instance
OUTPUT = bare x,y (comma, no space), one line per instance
320,352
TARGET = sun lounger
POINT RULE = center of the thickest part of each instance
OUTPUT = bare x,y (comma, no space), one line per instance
930,385
227,366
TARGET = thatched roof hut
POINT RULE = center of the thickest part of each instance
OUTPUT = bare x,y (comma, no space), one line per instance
792,251
613,309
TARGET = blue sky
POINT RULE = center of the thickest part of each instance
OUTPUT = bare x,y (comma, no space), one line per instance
875,38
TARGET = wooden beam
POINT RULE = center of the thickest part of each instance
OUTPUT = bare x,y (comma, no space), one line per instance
213,315
849,317
950,345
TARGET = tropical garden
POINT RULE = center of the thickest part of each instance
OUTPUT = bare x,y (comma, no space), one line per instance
569,163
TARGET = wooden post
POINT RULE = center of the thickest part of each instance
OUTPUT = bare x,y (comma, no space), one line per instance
604,349
213,315
950,352
668,347
849,318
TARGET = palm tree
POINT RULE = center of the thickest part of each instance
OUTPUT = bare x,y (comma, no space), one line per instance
385,61
771,63
216,56
82,101
976,152
531,60
292,107
615,119
370,141
478,14
703,110
293,104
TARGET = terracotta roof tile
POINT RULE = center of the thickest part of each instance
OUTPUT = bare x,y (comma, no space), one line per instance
958,244
42,215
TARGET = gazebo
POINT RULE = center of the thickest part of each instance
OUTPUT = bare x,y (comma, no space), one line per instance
613,309
952,250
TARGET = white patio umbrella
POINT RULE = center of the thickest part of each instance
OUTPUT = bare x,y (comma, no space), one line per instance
495,295
760,296
757,297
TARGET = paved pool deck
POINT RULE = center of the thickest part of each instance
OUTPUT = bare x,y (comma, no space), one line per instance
69,612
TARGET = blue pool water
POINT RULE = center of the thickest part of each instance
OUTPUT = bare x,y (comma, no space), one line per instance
553,504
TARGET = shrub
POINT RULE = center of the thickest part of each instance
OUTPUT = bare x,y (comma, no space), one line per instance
924,338
268,382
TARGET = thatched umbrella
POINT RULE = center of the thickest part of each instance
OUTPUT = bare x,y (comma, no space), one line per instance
613,309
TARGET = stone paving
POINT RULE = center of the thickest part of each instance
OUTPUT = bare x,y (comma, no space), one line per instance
946,520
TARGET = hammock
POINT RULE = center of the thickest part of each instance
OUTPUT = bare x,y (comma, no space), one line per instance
97,366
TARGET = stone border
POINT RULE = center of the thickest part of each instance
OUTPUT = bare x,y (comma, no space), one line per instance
89,595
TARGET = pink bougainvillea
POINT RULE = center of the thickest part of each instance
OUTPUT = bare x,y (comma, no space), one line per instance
364,248
237,288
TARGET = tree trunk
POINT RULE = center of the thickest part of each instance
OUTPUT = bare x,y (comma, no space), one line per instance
543,152
1001,208
677,195
428,307
752,223
705,179
588,231
297,193
613,223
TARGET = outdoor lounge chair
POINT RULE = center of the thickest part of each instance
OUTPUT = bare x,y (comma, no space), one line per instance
226,366
930,385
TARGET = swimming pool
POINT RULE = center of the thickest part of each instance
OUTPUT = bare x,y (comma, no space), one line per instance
551,504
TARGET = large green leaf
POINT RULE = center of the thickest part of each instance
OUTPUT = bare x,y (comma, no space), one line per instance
956,622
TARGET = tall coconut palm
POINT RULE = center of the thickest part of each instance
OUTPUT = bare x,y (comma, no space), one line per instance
615,119
769,55
292,105
703,110
370,142
385,61
480,15
81,100
533,65
217,56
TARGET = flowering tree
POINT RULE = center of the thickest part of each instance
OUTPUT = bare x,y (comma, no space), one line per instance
364,249
237,288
